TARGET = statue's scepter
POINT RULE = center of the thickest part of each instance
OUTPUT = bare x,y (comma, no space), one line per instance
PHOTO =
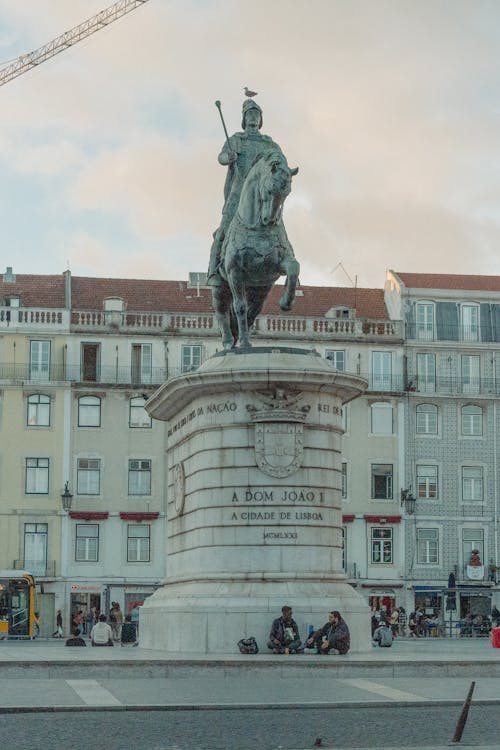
218,105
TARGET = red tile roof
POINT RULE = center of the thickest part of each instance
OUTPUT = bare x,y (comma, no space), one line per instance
449,281
175,296
146,295
35,290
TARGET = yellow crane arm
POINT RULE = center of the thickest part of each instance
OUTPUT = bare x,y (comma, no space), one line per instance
25,62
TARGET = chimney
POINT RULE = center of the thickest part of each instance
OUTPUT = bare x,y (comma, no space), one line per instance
67,289
8,276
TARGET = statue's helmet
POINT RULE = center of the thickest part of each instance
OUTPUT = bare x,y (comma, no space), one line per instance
250,104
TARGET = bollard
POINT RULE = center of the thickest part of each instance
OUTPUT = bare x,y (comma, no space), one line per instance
462,719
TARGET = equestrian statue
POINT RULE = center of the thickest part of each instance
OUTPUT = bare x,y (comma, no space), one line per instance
250,250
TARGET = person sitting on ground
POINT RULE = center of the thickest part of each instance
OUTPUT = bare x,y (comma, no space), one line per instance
383,635
76,640
395,622
101,634
333,637
284,637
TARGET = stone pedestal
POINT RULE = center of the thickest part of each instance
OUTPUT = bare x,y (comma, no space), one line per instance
254,501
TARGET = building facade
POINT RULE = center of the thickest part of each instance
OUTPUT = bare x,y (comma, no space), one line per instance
81,356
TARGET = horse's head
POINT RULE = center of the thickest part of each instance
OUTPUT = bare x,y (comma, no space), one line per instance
266,186
275,184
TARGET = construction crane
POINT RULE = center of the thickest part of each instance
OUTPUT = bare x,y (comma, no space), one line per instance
26,62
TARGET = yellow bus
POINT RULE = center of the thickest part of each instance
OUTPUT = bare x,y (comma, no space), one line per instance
17,604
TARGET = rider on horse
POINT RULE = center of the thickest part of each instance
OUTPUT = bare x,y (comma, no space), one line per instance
239,154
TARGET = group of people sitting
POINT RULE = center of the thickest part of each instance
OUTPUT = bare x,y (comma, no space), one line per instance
332,638
102,634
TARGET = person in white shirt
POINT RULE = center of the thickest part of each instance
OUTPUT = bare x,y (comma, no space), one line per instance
101,634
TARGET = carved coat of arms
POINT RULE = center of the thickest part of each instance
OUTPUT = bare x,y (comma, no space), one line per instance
279,433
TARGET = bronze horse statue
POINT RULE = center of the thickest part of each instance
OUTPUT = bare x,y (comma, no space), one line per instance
256,251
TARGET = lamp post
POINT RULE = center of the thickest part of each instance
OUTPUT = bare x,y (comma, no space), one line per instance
66,498
66,501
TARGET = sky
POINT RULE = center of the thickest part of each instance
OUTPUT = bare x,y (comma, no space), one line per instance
390,109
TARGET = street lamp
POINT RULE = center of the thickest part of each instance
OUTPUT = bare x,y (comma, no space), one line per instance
408,501
66,498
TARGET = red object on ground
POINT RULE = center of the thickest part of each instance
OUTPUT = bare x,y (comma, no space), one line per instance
495,637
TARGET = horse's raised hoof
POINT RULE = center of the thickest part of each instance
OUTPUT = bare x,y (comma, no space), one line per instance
285,302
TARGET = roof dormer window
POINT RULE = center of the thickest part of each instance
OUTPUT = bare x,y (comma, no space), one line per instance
114,304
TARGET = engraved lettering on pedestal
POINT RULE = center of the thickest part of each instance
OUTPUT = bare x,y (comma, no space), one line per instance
279,432
179,488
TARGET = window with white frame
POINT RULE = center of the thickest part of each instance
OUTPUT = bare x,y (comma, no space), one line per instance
427,481
38,414
142,363
472,420
88,476
427,546
427,419
337,358
89,411
426,372
472,484
37,476
39,360
138,543
191,357
382,481
344,480
382,419
87,542
472,539
470,373
425,320
139,476
36,537
138,416
470,322
381,371
381,545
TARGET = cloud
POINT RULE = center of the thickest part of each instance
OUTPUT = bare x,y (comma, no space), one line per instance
390,111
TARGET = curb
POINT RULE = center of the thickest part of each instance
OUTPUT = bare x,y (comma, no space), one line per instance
355,705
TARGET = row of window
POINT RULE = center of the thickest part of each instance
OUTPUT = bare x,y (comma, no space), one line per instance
470,373
427,539
141,361
471,420
89,411
88,475
86,544
472,482
467,317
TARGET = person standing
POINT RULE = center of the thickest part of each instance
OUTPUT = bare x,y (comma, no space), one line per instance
58,632
116,618
402,621
134,618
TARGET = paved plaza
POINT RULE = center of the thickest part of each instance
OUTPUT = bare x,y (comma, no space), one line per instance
46,674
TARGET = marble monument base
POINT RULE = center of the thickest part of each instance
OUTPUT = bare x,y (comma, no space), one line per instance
206,618
254,506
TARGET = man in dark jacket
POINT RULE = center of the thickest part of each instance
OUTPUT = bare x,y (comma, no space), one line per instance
284,637
333,637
